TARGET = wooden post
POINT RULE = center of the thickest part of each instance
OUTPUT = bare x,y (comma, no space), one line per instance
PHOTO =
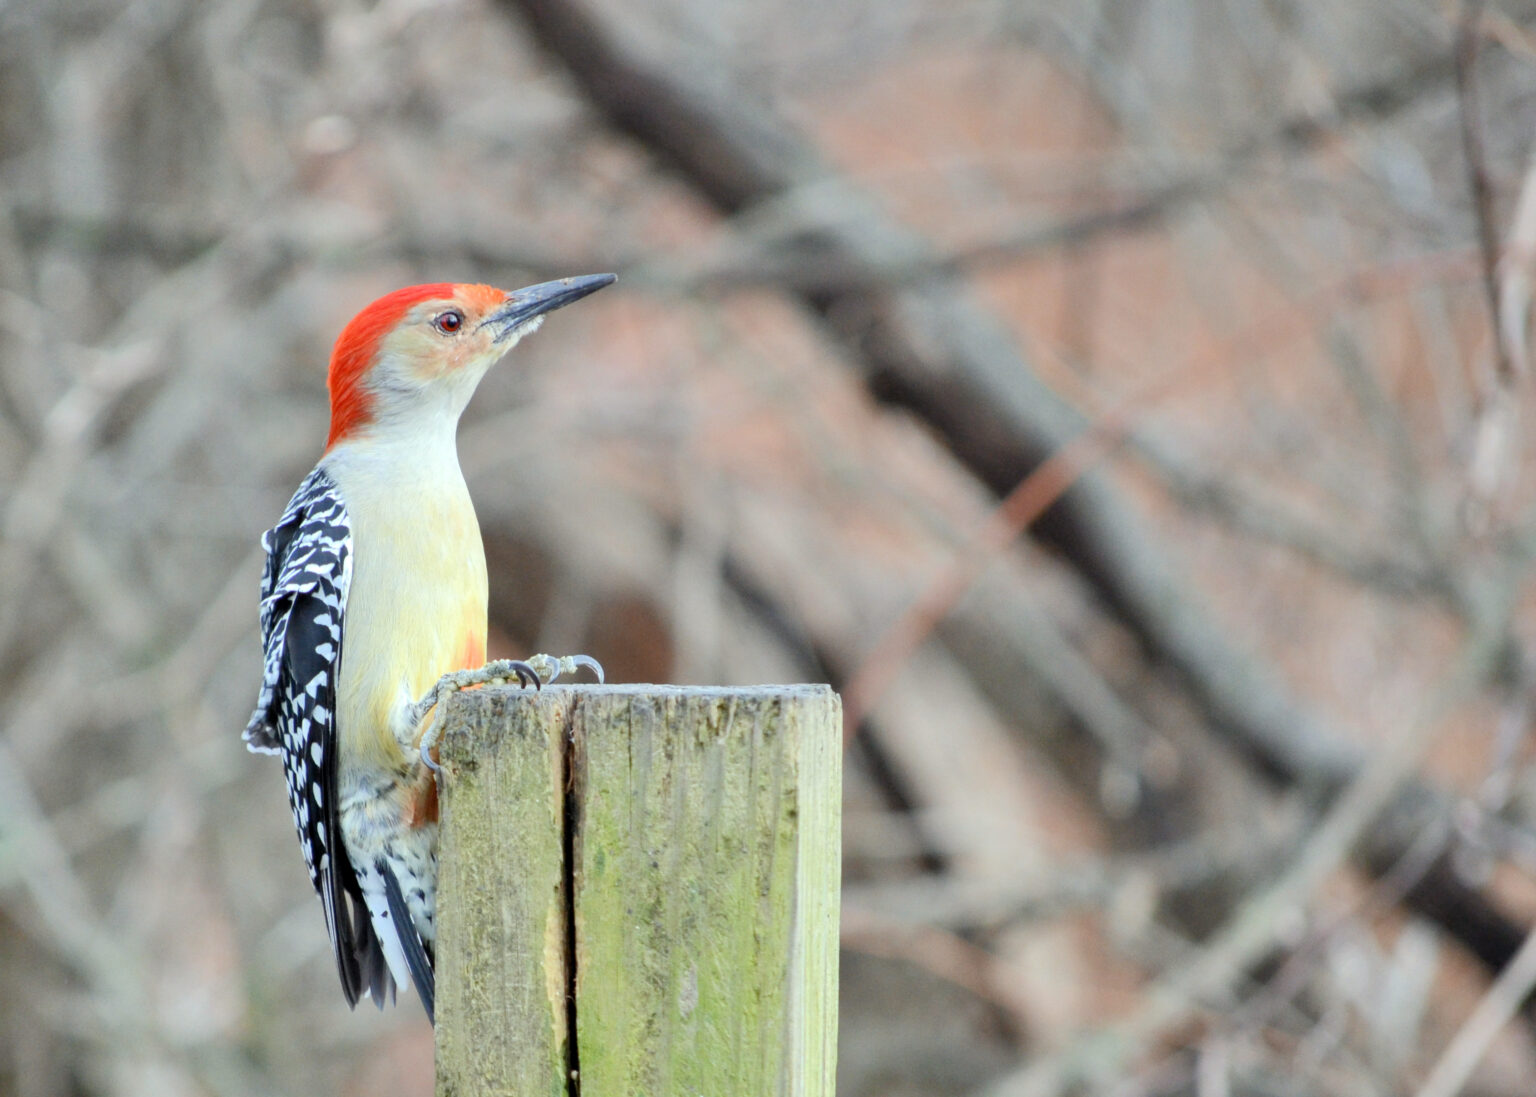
501,896
652,870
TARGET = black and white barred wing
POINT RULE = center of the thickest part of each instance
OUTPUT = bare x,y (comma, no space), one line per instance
303,599
303,596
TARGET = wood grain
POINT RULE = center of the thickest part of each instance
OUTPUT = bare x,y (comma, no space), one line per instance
702,828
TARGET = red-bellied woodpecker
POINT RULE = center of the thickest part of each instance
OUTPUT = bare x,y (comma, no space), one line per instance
374,605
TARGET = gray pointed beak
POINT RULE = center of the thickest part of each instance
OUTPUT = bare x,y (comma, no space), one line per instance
527,304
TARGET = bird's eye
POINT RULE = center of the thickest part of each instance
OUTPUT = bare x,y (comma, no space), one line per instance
449,322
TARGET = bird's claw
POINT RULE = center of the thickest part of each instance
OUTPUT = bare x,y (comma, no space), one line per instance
550,667
536,671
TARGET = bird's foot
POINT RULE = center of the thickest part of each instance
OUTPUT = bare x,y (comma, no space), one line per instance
537,671
498,670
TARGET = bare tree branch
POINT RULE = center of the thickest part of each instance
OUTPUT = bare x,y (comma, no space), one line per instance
940,356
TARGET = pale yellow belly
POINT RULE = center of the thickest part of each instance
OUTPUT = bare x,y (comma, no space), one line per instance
416,611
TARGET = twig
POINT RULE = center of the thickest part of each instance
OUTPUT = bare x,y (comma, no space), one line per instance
1477,1033
1034,494
1225,500
1250,932
985,906
1515,276
1302,962
1468,43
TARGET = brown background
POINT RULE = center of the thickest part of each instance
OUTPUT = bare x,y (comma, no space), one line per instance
878,260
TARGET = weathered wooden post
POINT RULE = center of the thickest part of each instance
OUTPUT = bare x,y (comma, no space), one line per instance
638,893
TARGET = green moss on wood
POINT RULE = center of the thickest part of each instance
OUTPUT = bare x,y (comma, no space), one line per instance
705,886
501,906
706,890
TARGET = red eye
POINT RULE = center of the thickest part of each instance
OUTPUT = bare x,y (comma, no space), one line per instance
449,322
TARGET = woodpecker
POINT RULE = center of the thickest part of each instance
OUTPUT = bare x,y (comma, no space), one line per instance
373,606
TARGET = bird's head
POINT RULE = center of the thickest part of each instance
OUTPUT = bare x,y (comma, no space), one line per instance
414,356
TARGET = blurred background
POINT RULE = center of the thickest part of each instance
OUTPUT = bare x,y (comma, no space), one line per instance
1127,406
